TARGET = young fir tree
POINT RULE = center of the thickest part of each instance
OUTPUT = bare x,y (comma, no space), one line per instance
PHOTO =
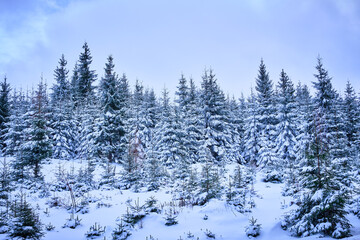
193,124
111,128
286,129
37,144
217,138
209,182
304,120
14,137
137,114
151,114
236,124
171,136
154,171
25,222
87,109
133,163
252,132
4,113
351,116
85,77
61,105
324,196
267,123
124,111
238,190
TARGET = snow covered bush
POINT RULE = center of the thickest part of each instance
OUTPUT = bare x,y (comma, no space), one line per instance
209,234
95,231
121,232
72,222
25,223
253,229
171,216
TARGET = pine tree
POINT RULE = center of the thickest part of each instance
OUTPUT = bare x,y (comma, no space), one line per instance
217,138
61,105
37,145
86,77
267,122
322,206
153,168
304,108
209,181
252,132
133,163
151,114
171,137
111,126
351,115
182,93
236,125
286,129
20,105
4,113
238,190
26,223
61,89
192,119
137,113
124,111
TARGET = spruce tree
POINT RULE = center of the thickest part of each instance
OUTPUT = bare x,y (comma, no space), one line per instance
325,194
4,113
61,89
37,145
236,113
286,129
267,123
217,138
193,124
170,135
111,128
61,119
26,223
351,116
86,77
20,105
252,132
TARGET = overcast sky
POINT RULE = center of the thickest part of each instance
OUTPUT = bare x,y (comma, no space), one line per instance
156,41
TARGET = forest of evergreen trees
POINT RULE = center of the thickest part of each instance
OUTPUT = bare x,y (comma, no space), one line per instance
310,143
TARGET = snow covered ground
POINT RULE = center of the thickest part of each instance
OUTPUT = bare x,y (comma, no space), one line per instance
107,206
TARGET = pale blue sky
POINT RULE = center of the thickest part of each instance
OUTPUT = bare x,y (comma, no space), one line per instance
156,41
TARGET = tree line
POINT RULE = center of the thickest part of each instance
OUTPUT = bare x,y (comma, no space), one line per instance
310,143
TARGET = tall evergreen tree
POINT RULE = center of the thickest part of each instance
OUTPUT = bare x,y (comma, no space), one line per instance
37,145
286,128
190,115
20,105
252,132
61,89
111,126
236,125
86,76
217,138
26,224
171,136
61,119
4,113
267,123
351,115
322,206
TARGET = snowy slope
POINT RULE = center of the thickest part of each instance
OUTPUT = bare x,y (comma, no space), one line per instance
108,205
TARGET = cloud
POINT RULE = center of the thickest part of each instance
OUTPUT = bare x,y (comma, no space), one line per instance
23,27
